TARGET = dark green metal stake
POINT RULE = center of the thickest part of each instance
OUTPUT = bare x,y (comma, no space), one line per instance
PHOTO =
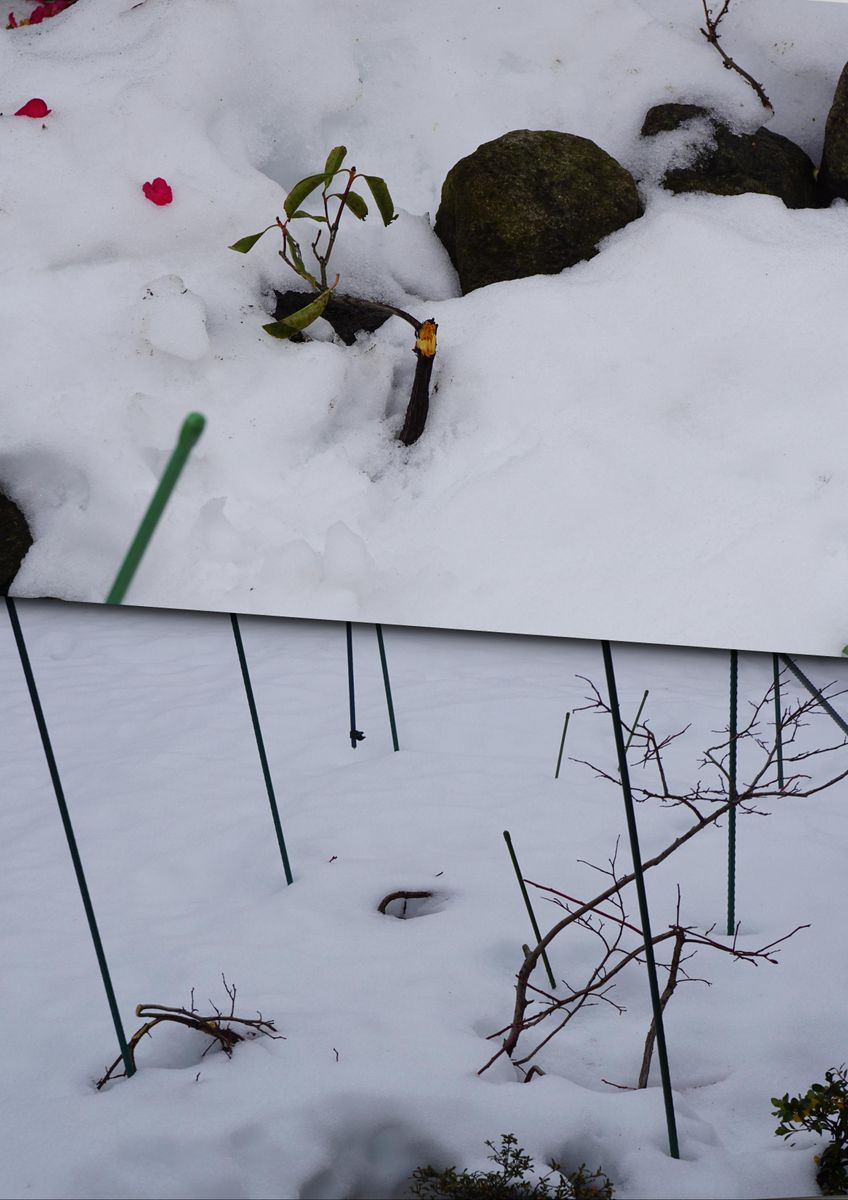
650,961
533,922
814,691
561,744
778,719
636,722
387,686
356,735
733,793
69,834
260,745
190,432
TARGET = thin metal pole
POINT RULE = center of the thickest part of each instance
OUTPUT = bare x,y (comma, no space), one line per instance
733,793
129,1066
533,921
356,735
814,691
636,721
260,746
387,686
778,721
562,744
650,961
191,430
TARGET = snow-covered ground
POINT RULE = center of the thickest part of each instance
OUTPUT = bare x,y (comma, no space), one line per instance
647,447
385,1020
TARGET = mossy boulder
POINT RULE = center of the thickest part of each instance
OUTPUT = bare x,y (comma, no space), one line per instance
732,164
15,540
833,173
531,202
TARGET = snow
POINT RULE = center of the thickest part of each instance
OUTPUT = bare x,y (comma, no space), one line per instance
645,447
385,1021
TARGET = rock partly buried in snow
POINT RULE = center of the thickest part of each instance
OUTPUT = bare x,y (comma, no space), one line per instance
15,540
732,164
531,203
833,173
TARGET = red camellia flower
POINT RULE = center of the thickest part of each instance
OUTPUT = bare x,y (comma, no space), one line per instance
34,108
158,191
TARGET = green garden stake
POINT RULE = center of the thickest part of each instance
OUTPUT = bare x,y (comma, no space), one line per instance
533,922
636,854
814,691
731,816
778,718
387,685
562,743
636,722
129,1066
260,745
190,432
356,735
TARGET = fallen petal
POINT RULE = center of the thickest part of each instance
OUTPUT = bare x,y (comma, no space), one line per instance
34,108
159,192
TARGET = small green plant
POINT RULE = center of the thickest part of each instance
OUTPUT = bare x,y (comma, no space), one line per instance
336,199
509,1183
328,222
823,1110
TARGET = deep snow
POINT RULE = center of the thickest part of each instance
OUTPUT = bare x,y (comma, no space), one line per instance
645,447
385,1020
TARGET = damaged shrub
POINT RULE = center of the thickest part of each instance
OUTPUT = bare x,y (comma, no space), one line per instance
345,314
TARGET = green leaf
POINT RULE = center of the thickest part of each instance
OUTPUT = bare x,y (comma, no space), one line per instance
334,160
302,189
355,203
247,243
381,195
308,216
294,251
299,320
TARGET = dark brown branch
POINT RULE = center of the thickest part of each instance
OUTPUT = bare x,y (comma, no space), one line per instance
714,38
217,1027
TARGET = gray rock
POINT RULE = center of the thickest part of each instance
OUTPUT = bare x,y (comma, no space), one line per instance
531,203
833,173
736,163
15,540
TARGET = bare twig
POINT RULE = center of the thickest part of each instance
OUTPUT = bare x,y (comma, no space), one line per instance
604,915
713,36
217,1027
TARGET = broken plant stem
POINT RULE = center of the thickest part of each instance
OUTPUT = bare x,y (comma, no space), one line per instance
419,398
217,1026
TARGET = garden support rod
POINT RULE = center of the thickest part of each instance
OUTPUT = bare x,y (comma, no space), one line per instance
532,915
636,855
387,685
562,744
778,719
636,720
733,793
191,430
69,834
814,691
356,735
260,746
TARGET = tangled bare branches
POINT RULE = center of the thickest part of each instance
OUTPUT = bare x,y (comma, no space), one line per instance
621,941
217,1026
713,36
